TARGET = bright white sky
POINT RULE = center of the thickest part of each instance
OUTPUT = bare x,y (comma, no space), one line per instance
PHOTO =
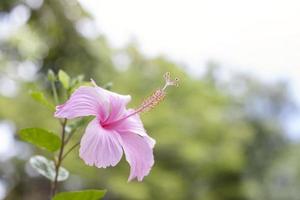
260,35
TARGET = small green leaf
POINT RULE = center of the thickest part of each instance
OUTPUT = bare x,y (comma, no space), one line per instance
41,138
64,79
40,97
81,195
46,168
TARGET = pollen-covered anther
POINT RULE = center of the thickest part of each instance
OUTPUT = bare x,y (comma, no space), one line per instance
158,95
153,100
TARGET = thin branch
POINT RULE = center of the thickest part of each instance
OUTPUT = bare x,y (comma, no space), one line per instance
70,135
73,147
59,160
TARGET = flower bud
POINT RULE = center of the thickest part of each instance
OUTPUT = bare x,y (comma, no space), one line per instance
51,75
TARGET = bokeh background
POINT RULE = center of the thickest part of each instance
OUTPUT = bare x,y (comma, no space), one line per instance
229,132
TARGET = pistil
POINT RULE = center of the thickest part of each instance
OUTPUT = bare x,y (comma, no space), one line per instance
150,102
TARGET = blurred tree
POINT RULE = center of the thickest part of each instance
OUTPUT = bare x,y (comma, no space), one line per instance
214,141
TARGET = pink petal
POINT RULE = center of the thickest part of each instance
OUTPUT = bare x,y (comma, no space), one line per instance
107,106
134,125
117,104
139,155
84,101
100,147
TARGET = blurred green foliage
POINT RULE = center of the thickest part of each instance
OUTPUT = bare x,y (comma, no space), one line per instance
215,140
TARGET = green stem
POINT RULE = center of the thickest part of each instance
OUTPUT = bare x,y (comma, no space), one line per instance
73,147
60,156
54,92
70,135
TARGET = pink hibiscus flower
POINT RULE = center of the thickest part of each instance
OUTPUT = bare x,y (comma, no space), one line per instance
115,128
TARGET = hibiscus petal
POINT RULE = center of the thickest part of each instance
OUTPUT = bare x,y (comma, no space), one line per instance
139,155
100,147
134,125
117,104
84,101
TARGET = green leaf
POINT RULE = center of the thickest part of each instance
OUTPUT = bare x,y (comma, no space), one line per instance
64,79
81,195
41,138
40,97
46,168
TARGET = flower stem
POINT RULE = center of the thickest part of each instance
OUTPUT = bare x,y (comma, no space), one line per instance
70,135
73,147
60,157
54,92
